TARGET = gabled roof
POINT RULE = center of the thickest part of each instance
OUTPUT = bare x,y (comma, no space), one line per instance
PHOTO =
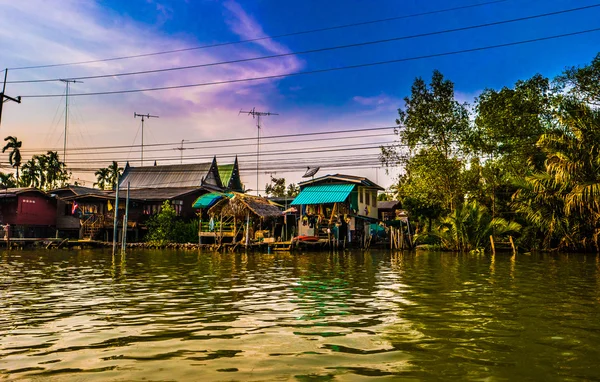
12,192
341,178
388,204
170,176
230,176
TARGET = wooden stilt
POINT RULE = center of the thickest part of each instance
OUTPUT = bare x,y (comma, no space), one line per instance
493,247
512,244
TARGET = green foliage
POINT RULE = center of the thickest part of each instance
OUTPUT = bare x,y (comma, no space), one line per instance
161,227
165,228
14,158
469,227
432,117
563,200
108,177
583,83
7,181
45,172
277,188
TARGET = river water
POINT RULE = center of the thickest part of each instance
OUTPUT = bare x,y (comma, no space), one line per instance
188,316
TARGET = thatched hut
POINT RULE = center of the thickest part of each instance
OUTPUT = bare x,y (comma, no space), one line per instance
246,215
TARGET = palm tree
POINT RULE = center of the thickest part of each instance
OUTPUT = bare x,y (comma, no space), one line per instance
469,227
30,175
114,172
7,181
103,178
564,201
14,158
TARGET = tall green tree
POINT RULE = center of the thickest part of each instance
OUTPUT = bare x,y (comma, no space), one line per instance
435,128
45,171
563,201
277,188
432,118
582,82
14,158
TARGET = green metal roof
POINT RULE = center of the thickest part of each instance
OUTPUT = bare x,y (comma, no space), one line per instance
208,200
324,193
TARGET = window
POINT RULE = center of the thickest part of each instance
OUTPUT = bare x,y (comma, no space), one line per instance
360,195
367,197
375,199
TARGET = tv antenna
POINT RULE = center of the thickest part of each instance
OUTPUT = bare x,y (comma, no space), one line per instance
180,148
67,82
257,115
144,116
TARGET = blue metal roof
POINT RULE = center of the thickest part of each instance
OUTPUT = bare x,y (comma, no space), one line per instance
324,193
208,200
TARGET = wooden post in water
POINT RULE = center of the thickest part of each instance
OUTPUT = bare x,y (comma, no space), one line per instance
493,247
115,221
247,229
512,244
200,228
391,237
125,219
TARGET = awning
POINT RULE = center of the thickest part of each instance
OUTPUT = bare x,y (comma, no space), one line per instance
208,200
324,193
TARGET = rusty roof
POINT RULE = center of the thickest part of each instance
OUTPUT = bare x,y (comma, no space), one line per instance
156,194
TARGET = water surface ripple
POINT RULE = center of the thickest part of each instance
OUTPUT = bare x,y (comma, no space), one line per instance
179,316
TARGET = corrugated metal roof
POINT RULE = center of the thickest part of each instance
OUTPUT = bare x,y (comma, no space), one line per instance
179,175
208,200
155,194
324,193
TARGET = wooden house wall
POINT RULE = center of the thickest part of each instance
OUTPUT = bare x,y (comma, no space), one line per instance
29,208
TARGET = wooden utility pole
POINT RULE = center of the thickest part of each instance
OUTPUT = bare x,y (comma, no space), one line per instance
257,115
144,116
67,82
4,97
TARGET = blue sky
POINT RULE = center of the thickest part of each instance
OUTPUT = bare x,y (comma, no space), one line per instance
42,32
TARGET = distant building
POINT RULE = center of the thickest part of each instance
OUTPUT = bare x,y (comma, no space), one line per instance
344,204
29,212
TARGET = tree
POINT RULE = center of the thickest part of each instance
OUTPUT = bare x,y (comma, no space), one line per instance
102,177
7,181
162,225
114,172
563,200
469,227
432,118
45,171
108,177
276,188
582,83
292,190
14,158
510,121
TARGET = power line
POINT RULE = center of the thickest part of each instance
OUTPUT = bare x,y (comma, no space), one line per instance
265,37
338,47
274,76
233,139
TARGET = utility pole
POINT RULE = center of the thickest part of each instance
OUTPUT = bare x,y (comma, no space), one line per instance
67,82
144,116
3,96
257,115
181,150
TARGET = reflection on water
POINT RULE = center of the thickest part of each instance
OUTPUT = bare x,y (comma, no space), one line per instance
164,315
